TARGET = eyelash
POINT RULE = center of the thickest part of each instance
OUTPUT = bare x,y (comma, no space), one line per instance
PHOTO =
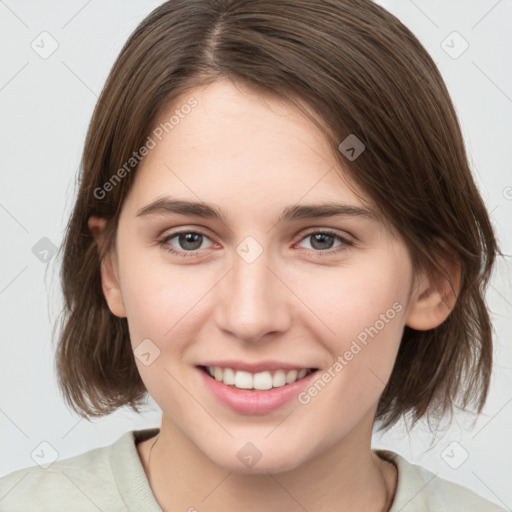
185,254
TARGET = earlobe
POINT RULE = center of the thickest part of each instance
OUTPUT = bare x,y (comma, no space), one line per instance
433,299
109,274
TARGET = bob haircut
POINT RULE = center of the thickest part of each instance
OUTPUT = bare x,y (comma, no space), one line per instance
362,72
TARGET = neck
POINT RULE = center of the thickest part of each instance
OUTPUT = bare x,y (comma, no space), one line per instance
347,476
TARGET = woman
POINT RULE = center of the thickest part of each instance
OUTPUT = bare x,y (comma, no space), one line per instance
278,237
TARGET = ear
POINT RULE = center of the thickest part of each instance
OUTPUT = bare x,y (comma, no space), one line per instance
433,297
109,273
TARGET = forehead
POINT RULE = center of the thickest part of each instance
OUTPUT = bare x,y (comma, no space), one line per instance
236,146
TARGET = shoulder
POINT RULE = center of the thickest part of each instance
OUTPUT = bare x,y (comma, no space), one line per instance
420,490
83,483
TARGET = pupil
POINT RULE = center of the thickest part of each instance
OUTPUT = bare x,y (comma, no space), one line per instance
189,239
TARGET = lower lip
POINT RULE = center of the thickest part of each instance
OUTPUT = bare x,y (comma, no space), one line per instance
245,401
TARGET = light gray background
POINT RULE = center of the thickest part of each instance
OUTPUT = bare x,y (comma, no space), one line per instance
46,104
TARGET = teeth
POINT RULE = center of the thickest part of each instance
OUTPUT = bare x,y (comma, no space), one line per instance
301,373
279,379
291,376
229,377
262,380
259,381
243,380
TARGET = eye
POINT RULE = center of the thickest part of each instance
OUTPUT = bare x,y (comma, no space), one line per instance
187,243
322,242
190,243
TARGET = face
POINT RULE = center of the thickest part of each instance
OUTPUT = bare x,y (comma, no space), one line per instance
264,287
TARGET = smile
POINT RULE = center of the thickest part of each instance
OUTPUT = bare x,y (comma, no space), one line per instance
249,393
260,381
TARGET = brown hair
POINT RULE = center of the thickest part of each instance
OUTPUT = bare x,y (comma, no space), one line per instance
362,72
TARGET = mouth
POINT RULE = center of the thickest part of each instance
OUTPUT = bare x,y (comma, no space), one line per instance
258,381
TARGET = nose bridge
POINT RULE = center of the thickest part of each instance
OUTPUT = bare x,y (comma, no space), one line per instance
252,301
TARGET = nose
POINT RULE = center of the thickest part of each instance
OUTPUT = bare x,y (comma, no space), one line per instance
253,302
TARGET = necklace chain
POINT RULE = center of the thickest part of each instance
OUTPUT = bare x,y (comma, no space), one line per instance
149,458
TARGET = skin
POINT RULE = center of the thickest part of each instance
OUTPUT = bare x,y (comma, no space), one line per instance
253,155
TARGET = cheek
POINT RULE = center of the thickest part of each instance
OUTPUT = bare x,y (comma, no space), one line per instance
156,294
343,302
161,302
166,306
359,318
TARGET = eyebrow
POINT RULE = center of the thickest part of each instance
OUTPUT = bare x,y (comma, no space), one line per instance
169,205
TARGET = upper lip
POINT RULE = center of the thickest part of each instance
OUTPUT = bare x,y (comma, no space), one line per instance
255,367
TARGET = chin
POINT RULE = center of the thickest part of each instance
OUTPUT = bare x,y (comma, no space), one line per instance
254,458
